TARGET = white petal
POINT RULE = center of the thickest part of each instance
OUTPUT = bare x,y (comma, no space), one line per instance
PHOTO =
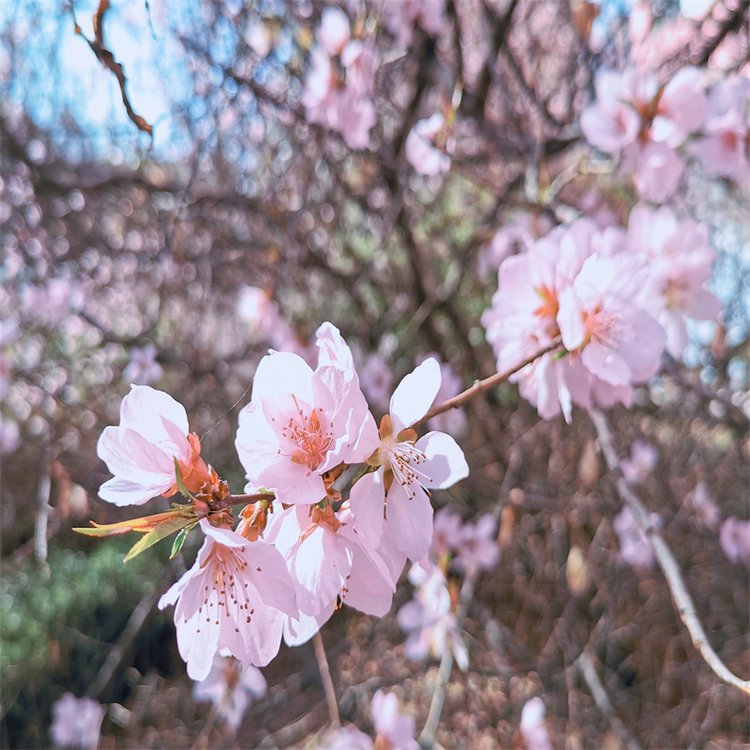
445,463
414,394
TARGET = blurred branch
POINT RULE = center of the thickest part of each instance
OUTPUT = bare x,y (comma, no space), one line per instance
42,514
667,562
107,59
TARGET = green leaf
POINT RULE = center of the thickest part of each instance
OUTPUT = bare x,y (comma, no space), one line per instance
180,484
179,540
163,530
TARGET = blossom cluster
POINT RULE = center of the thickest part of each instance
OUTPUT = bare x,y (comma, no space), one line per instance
429,618
303,545
615,299
341,81
653,127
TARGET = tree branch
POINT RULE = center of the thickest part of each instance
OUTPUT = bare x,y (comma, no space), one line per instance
667,562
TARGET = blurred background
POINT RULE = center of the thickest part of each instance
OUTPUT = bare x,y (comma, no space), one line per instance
170,207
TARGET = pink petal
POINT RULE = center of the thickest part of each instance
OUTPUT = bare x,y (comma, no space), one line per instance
414,394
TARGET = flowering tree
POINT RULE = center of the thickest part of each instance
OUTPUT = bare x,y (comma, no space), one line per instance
451,292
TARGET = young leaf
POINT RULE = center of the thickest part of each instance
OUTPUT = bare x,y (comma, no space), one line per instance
179,540
180,484
163,530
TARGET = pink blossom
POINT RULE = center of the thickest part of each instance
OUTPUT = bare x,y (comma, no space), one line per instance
734,537
428,618
682,107
723,149
638,467
612,122
679,266
141,451
328,558
657,170
429,146
704,506
301,423
407,467
76,722
402,16
10,436
231,688
142,367
477,548
392,728
619,344
333,32
533,728
349,738
635,548
514,237
234,597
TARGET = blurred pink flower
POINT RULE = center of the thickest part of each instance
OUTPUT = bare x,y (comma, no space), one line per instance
234,597
141,451
638,467
393,729
704,506
533,728
635,548
348,738
231,688
428,618
429,146
657,170
734,537
10,436
76,722
301,423
679,266
142,367
403,16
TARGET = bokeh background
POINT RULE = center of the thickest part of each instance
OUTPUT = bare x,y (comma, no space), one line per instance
177,257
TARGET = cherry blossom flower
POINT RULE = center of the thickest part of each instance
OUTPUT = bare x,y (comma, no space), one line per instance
231,689
704,506
533,729
679,267
234,597
141,451
635,548
302,423
619,343
638,467
734,537
142,368
341,81
429,146
403,16
428,618
407,469
76,722
393,730
473,545
723,149
329,559
657,171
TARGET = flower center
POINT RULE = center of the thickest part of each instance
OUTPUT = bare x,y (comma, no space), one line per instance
226,577
309,434
548,309
601,326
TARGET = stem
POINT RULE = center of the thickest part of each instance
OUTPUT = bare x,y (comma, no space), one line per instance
481,386
255,497
680,595
325,677
427,736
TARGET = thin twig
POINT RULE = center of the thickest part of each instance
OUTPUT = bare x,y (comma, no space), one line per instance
585,665
42,516
680,595
255,497
325,677
481,386
427,736
120,649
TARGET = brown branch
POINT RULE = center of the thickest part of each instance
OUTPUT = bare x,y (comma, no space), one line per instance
107,59
482,386
680,595
325,677
253,498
